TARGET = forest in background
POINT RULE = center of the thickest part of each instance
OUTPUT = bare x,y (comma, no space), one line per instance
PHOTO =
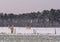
46,18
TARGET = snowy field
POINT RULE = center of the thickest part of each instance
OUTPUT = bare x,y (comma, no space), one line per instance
24,30
29,38
18,37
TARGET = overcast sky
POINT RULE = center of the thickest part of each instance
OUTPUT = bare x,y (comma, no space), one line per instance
24,6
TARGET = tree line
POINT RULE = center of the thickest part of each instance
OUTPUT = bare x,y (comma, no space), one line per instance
51,16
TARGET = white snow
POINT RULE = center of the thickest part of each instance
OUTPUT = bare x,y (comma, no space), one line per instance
24,30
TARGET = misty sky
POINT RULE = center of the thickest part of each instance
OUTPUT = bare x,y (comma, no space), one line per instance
26,6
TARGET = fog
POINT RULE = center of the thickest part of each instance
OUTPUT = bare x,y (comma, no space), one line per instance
26,6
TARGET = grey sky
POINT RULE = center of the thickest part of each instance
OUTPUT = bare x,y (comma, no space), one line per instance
23,6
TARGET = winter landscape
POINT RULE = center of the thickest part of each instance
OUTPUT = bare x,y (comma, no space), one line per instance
29,21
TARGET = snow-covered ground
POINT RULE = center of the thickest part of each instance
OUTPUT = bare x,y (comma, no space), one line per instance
29,38
24,30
